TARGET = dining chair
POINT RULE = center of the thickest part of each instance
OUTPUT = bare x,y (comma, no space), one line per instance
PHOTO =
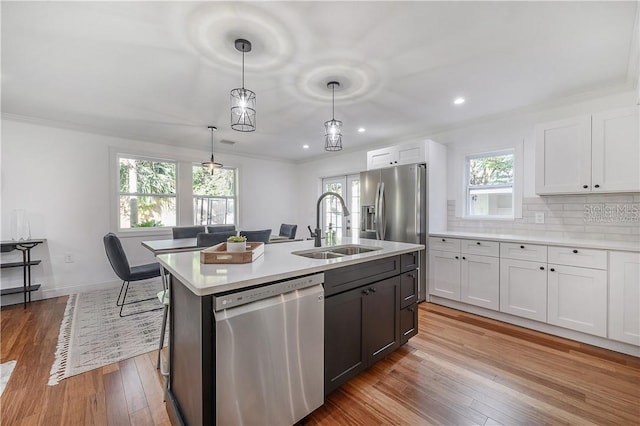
288,231
208,239
120,264
220,228
262,236
187,231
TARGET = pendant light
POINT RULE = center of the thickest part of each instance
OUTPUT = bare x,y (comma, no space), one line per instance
211,165
243,101
333,127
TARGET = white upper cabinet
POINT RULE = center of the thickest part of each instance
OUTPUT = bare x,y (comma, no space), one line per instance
589,154
615,143
409,153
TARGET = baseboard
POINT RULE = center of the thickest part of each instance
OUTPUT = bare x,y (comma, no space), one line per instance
601,342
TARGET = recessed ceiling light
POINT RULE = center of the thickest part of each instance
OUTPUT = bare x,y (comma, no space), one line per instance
305,146
361,130
459,101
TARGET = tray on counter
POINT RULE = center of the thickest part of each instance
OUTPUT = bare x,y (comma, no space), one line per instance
219,254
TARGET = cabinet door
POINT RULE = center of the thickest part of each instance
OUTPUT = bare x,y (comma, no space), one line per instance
523,289
624,297
444,274
408,288
480,283
563,156
578,299
344,354
411,153
381,318
408,323
616,150
380,158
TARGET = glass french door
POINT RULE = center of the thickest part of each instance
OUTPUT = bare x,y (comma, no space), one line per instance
334,223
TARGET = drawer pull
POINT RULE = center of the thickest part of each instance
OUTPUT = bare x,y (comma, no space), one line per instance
585,186
521,246
372,290
410,309
464,258
365,292
478,242
552,270
575,251
596,186
457,257
443,240
542,268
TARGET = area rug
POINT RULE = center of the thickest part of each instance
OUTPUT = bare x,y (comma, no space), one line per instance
6,368
93,335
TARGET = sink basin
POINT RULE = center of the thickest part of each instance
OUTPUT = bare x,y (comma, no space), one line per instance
320,255
333,252
351,250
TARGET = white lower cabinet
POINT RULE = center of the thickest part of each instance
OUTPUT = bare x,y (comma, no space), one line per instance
624,297
480,284
523,289
577,299
444,274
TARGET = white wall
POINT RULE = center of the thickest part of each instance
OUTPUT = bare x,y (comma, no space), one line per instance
62,179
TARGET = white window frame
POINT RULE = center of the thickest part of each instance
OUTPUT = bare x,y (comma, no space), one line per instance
116,182
184,190
516,151
235,197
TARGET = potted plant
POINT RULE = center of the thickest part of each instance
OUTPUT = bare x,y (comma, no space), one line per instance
236,243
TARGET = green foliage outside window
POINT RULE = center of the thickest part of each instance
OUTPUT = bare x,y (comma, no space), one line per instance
147,193
496,170
221,183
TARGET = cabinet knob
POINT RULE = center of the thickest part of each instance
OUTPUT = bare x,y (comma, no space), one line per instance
575,251
552,270
396,162
585,186
411,275
372,290
521,246
542,268
457,257
365,292
478,242
596,186
410,309
443,240
464,258
390,162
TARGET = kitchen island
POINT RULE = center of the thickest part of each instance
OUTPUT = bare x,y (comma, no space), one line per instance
299,335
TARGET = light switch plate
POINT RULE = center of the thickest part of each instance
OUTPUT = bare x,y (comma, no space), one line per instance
539,217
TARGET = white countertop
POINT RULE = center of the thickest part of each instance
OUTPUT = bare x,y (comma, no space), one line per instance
277,263
597,244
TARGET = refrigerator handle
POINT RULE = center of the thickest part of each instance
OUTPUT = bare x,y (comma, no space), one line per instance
376,212
383,216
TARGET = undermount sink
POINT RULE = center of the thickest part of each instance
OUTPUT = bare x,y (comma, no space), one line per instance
333,252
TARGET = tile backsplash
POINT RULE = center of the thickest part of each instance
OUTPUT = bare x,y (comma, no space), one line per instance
611,217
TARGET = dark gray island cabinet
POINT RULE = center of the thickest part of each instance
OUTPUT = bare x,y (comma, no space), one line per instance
370,311
337,319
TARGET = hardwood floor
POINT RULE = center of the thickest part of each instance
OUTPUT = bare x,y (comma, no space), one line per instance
460,369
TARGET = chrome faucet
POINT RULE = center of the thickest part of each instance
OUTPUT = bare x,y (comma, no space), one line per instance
317,234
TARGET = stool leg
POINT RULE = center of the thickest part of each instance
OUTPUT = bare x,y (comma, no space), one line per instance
162,331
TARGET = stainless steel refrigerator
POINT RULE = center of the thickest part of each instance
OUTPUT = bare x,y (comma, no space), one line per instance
393,204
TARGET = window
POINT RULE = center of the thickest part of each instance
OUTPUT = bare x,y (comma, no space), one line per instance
489,185
214,196
333,221
147,193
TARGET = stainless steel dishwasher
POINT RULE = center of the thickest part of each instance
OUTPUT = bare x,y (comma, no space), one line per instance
270,353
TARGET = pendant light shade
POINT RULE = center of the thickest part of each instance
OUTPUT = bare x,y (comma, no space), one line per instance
211,165
333,127
243,101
